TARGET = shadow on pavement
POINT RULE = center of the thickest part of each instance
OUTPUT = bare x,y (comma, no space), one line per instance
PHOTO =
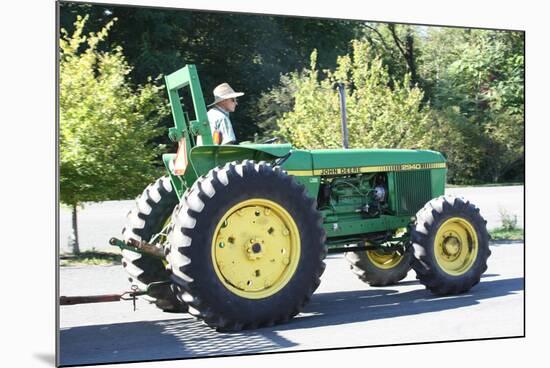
187,337
156,340
328,309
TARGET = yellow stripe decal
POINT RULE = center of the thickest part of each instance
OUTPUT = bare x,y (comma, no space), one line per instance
300,172
367,169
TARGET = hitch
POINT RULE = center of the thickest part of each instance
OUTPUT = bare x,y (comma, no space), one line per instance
138,246
128,295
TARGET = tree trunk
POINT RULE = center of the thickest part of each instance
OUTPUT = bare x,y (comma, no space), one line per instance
407,51
409,56
74,238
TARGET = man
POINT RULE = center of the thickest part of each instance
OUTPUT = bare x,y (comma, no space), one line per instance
225,102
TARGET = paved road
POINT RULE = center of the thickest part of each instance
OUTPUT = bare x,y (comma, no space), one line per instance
343,312
98,222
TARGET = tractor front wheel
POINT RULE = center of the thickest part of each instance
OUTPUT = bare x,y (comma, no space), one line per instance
246,247
451,245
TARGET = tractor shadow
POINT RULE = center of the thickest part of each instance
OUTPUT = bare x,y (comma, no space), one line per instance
189,338
340,308
159,340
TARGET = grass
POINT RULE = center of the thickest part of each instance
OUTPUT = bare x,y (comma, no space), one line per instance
506,234
90,258
483,185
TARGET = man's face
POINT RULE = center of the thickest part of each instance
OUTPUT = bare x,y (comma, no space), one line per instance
229,105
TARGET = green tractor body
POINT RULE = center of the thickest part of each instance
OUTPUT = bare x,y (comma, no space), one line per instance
343,181
252,222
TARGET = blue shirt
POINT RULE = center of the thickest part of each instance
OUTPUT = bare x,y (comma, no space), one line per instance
219,120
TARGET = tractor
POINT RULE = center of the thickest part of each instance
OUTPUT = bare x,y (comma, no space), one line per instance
236,235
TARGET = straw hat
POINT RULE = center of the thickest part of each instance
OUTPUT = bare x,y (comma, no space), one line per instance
223,92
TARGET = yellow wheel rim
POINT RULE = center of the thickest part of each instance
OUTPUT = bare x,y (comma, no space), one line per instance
255,248
456,246
384,261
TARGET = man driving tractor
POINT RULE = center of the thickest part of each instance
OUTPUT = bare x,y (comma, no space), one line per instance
225,102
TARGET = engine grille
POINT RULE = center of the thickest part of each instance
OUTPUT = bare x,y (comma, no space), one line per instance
412,189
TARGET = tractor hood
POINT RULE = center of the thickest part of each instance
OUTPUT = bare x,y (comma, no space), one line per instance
365,160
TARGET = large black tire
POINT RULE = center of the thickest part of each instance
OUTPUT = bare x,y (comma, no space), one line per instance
212,206
152,209
380,269
451,245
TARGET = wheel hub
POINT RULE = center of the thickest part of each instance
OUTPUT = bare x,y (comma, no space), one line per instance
256,248
451,246
253,249
456,246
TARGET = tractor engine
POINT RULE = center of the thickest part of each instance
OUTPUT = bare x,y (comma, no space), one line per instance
364,194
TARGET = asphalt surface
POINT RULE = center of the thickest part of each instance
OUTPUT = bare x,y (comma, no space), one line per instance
98,222
344,312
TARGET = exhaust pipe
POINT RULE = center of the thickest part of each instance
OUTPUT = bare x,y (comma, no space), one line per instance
345,134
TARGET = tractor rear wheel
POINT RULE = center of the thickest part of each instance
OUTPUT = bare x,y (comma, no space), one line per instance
246,247
379,268
451,245
149,217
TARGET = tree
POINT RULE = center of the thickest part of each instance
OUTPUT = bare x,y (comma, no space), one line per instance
462,143
249,51
106,126
399,48
378,116
275,102
471,80
479,74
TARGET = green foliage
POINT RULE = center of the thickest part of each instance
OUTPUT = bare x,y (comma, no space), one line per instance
503,234
460,142
378,116
397,46
485,75
249,51
505,146
479,74
91,258
105,124
470,81
273,103
466,101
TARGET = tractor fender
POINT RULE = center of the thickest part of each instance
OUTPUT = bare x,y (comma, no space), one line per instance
204,158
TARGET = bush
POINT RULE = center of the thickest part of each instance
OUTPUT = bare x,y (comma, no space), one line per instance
509,221
378,116
106,125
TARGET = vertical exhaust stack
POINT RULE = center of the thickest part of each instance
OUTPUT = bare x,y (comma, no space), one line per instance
345,134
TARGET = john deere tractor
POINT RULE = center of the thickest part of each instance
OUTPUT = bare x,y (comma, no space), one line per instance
236,235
